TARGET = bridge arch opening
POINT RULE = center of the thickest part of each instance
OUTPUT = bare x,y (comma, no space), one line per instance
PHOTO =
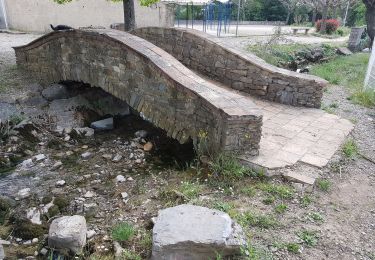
92,104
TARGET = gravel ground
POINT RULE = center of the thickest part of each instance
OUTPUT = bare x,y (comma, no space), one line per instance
7,41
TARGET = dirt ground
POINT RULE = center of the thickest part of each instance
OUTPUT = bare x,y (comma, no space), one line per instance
333,220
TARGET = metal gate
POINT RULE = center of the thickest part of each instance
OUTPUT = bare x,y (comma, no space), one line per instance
3,18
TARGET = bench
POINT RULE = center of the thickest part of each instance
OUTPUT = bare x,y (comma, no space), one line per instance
295,30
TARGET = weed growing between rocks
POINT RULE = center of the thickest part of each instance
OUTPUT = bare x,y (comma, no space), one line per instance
122,232
350,148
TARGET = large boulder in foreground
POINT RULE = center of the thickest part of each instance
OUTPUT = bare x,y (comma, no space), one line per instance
68,233
188,232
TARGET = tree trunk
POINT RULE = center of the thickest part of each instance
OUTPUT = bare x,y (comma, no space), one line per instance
129,15
287,18
324,18
370,19
314,17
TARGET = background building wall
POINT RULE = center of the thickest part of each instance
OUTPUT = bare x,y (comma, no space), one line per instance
36,15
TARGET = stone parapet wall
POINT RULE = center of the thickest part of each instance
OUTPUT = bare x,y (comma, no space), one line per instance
237,69
151,81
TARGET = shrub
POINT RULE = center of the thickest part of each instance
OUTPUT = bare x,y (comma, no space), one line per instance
331,27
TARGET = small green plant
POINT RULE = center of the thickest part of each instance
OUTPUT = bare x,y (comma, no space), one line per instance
130,255
190,190
305,201
146,240
324,185
255,252
278,190
248,191
218,256
364,97
293,248
309,238
269,200
281,208
122,232
316,217
350,148
223,206
251,219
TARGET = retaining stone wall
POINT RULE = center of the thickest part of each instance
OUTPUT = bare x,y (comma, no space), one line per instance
237,69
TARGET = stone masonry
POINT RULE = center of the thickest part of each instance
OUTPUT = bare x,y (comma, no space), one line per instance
239,70
152,82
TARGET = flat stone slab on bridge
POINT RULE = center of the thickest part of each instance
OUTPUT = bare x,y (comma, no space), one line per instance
295,134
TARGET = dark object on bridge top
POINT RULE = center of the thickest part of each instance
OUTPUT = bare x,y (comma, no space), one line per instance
61,27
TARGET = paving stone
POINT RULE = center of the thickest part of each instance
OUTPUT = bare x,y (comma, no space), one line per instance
314,144
314,160
296,177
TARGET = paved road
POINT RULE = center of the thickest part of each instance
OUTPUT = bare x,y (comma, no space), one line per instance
254,34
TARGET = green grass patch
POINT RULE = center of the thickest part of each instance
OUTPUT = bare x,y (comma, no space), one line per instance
190,190
350,148
223,206
278,190
315,217
324,185
293,248
305,201
256,220
122,232
282,54
364,97
269,200
256,252
281,208
249,191
309,238
226,167
348,71
130,255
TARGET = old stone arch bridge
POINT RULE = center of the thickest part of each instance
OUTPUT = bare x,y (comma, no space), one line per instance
214,107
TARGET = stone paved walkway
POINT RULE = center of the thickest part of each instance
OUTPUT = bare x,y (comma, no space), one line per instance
295,134
292,134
